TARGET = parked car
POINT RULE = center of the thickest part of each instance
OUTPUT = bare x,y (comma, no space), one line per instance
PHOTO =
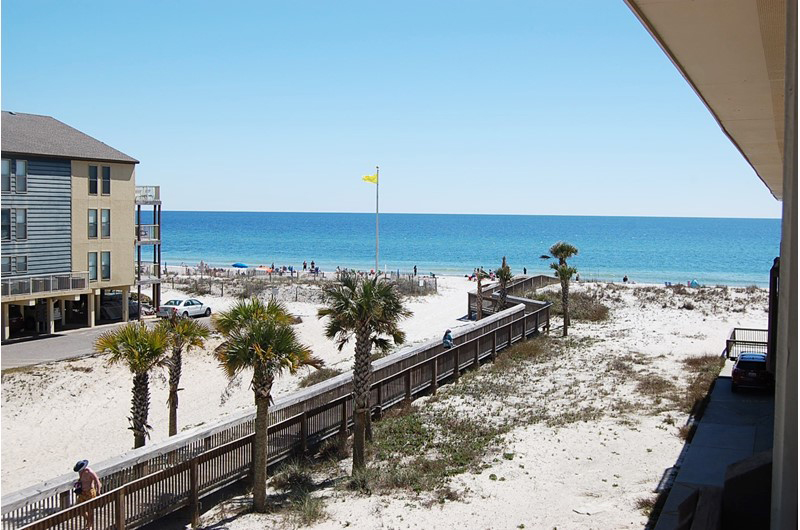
750,370
189,307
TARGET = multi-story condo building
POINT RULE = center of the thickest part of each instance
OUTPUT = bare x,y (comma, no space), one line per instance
68,227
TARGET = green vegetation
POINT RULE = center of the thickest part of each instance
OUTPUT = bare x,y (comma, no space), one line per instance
140,349
370,310
260,337
182,333
562,251
318,376
583,306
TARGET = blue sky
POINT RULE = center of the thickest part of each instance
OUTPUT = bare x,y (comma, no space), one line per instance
527,107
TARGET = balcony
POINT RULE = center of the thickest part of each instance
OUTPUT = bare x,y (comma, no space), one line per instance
147,234
44,284
148,194
146,273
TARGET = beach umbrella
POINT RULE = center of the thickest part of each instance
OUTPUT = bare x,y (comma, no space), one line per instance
239,265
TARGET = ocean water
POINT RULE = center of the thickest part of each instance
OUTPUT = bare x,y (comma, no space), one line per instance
646,249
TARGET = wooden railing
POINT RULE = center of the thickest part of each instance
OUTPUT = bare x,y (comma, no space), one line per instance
518,287
148,483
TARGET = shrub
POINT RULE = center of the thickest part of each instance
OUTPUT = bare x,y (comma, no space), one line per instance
293,476
318,376
582,306
703,372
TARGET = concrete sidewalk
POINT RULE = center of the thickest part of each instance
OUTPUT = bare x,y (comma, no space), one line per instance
59,346
734,426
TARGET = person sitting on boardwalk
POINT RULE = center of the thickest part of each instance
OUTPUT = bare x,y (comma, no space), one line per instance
447,340
87,488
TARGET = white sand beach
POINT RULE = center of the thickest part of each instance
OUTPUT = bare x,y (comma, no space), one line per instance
58,413
581,474
562,473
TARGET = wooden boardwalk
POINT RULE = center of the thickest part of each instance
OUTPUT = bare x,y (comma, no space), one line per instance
149,483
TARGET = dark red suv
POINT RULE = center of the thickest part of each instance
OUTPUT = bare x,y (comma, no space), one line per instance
750,370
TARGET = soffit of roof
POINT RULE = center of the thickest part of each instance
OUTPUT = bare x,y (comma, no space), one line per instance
732,53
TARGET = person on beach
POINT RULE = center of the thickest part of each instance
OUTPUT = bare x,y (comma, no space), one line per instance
447,340
524,270
312,264
625,279
87,488
305,266
415,270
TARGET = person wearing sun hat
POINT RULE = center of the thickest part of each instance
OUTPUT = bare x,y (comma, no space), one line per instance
87,488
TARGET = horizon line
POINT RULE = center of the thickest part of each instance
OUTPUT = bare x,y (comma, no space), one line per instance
486,214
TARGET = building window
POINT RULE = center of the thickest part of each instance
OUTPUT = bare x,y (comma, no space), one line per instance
92,180
92,223
22,176
6,224
22,224
93,266
105,223
6,264
22,263
6,174
105,265
106,180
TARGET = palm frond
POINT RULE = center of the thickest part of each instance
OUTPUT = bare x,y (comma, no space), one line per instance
134,345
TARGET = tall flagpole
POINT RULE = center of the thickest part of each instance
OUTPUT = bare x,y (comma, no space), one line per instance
377,184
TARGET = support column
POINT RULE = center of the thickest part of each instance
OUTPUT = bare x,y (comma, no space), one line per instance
90,309
98,302
49,313
63,306
6,328
126,291
784,452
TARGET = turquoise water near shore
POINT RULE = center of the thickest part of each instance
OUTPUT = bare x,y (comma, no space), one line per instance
646,249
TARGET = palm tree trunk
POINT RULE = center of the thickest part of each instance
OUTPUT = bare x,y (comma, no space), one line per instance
362,375
262,387
140,407
565,304
175,366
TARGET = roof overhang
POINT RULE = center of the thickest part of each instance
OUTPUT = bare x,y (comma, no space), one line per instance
732,53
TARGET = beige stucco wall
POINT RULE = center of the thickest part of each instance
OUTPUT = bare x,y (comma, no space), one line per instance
121,202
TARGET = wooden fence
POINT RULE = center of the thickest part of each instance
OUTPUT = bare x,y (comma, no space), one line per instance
145,484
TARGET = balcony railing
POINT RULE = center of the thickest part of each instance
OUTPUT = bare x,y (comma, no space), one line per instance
44,283
147,232
148,193
146,272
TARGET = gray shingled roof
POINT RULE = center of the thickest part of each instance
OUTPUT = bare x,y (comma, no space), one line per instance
33,134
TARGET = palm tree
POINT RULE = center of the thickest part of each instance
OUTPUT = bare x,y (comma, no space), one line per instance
504,276
368,309
479,275
183,333
260,337
141,349
562,251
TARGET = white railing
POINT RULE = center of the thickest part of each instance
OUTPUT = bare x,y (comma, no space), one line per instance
145,272
148,193
44,283
147,232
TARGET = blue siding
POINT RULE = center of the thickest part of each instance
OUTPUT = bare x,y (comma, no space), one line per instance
48,202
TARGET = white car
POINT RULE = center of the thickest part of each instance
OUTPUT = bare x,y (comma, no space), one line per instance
184,308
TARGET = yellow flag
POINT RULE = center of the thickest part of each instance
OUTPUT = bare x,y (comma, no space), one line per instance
370,178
